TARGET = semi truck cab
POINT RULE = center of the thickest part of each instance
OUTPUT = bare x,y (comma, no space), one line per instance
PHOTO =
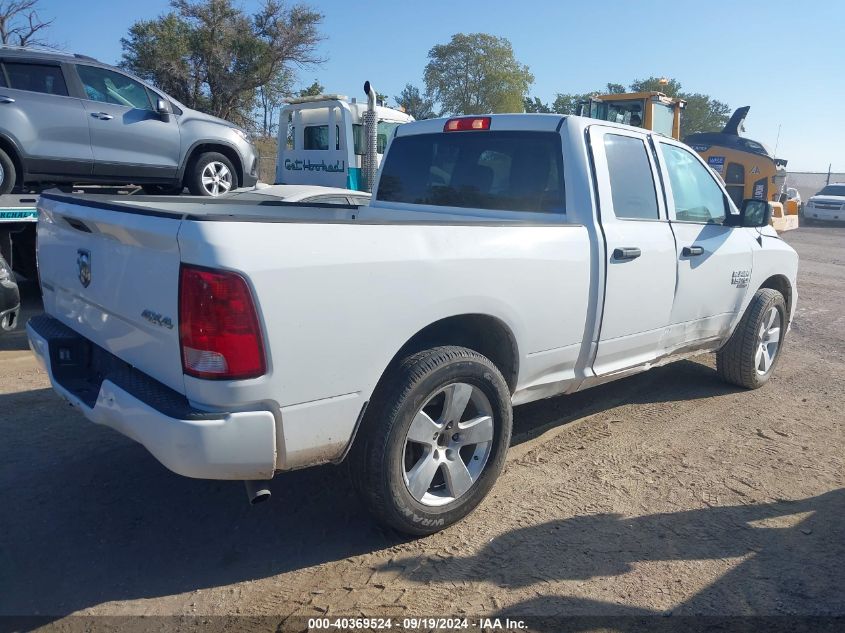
322,141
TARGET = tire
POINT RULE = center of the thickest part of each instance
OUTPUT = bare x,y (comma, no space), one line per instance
204,166
750,355
386,464
8,174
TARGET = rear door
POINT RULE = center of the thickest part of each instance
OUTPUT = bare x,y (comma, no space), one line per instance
128,137
640,264
714,261
49,126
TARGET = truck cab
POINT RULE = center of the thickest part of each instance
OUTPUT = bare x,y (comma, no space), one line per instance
322,141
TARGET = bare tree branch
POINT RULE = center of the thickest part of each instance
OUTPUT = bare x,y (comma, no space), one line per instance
20,24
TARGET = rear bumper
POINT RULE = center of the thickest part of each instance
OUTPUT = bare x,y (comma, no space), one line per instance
187,440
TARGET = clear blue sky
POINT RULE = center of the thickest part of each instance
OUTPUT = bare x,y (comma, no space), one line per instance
784,59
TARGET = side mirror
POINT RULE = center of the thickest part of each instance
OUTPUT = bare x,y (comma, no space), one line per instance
163,107
753,213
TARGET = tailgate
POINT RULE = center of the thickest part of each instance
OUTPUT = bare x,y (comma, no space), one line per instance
113,277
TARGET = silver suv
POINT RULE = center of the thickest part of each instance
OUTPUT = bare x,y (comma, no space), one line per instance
71,119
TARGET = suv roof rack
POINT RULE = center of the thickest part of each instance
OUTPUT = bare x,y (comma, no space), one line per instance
45,49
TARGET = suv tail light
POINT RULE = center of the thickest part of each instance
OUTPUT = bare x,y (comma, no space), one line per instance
218,326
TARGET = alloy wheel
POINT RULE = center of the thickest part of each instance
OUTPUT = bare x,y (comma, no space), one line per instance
448,444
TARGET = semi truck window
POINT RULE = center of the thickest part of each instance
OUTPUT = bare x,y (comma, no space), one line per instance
518,171
317,137
384,131
631,179
697,196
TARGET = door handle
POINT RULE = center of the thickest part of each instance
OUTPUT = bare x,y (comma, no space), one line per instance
5,99
103,116
626,253
692,251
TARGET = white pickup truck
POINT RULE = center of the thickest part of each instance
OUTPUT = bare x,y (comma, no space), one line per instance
503,259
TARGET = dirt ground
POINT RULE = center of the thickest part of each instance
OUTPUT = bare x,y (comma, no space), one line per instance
665,493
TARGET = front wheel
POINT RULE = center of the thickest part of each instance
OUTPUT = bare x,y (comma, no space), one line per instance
750,355
433,440
211,174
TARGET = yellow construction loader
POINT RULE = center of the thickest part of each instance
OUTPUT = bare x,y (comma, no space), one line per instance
749,168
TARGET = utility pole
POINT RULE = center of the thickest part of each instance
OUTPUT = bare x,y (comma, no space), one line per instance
829,165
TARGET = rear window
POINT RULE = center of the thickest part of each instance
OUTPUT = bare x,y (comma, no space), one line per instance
519,171
36,78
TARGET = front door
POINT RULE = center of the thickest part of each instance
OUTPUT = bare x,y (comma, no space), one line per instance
640,255
129,138
714,260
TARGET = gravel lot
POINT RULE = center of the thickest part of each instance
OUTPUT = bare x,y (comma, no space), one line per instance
668,492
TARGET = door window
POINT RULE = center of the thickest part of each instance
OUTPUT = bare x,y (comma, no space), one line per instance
697,196
631,179
107,86
36,78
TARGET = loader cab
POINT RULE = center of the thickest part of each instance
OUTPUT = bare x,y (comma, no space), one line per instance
649,110
322,141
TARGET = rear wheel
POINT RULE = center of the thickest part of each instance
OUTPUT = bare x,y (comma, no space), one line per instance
433,441
8,174
211,174
750,355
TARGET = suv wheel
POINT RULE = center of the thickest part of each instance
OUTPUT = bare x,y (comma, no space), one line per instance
8,175
211,174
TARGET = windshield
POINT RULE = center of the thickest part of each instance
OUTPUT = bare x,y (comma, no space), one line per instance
832,190
384,131
518,171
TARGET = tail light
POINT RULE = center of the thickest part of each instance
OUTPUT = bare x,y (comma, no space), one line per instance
218,326
466,124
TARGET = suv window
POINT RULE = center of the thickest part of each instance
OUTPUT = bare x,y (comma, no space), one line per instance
631,178
519,171
36,78
107,86
697,196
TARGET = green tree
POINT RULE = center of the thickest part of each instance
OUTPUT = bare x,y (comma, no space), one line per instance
269,100
418,105
212,56
476,73
533,104
314,90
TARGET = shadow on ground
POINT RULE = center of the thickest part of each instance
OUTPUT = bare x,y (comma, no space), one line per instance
792,551
89,516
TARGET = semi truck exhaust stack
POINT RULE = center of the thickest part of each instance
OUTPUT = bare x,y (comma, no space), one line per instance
371,131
